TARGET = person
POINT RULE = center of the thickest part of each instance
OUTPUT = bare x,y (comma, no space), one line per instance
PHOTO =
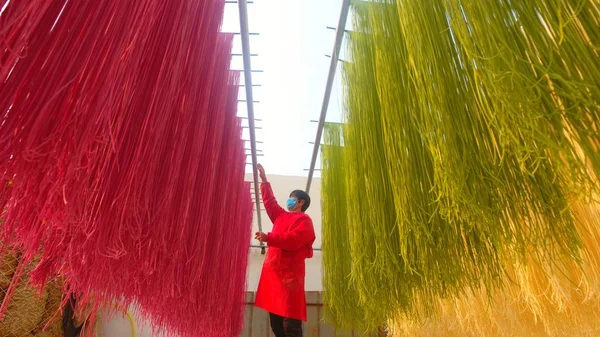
281,286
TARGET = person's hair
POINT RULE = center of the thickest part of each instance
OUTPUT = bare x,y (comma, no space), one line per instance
301,195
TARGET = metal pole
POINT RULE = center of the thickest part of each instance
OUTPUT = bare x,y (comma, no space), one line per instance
245,35
339,37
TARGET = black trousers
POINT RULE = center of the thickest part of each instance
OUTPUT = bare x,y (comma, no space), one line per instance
285,327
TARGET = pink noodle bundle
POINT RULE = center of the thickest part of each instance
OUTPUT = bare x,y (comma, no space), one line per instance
120,156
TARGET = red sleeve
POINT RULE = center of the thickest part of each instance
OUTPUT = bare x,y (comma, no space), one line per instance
271,206
300,235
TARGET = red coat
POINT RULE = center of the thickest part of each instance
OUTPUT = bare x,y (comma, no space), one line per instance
281,285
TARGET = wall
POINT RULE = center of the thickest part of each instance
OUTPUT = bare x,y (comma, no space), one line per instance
257,321
119,326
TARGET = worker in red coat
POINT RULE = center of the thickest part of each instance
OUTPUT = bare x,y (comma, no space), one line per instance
281,286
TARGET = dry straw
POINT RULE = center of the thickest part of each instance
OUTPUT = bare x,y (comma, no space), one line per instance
30,312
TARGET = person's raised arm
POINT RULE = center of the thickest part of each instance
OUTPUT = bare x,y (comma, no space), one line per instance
300,235
271,206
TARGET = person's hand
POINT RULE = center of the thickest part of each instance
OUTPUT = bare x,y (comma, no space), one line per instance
260,236
261,173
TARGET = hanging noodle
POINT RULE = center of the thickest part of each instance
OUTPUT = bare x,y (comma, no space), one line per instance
121,159
471,140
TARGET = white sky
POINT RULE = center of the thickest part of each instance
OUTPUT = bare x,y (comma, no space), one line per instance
292,45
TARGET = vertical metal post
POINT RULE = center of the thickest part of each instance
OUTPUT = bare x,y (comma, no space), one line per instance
245,35
339,37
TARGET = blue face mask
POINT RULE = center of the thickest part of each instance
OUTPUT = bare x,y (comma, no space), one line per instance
291,204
